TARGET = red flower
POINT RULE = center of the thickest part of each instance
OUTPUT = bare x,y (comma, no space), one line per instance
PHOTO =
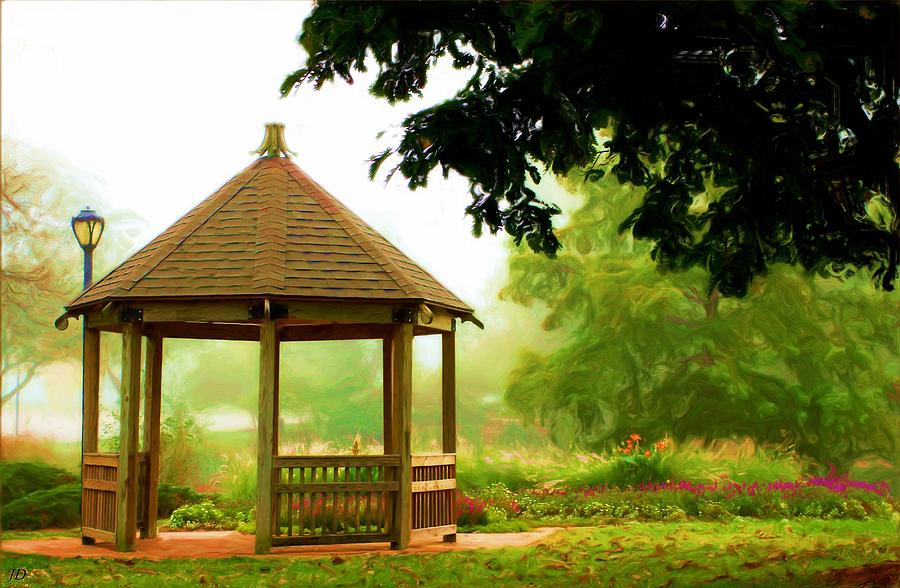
647,454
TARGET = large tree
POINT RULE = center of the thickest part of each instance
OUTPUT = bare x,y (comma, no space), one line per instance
802,361
42,268
792,107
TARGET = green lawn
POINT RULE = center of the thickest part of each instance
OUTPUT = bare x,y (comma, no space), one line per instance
740,552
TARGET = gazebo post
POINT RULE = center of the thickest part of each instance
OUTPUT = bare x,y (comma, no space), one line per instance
389,414
152,401
448,399
276,402
268,366
90,422
402,392
126,486
387,353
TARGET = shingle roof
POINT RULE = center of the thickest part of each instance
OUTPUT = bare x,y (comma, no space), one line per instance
271,231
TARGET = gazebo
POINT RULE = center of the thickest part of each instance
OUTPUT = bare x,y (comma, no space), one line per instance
272,257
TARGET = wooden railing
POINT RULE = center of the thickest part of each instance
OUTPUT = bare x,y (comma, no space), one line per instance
333,499
433,493
99,507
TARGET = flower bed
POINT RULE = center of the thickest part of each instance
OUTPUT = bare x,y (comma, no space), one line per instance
825,498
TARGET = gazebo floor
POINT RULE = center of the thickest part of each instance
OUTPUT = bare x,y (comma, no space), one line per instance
200,544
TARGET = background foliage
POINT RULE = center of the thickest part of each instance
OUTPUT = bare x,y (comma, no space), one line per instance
804,362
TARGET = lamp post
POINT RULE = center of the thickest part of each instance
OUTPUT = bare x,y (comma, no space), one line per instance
88,228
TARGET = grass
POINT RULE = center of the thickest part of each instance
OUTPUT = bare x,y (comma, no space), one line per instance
741,552
14,535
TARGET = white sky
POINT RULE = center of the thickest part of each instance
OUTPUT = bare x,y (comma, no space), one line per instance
158,104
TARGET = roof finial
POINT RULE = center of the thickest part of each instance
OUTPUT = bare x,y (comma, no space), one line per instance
273,144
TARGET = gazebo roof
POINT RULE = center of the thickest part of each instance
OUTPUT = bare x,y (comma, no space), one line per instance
270,232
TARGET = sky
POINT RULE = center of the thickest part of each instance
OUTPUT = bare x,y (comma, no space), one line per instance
157,104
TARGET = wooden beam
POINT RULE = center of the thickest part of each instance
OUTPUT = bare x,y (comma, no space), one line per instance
218,331
126,490
267,380
205,311
433,485
448,391
97,319
90,390
320,461
332,332
98,534
402,388
101,459
433,532
339,487
434,319
152,402
331,539
433,459
341,312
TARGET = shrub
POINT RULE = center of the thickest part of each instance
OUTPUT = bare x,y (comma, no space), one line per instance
206,515
470,510
56,507
20,478
235,481
172,497
179,461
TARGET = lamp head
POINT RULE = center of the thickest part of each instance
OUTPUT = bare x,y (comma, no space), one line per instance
88,228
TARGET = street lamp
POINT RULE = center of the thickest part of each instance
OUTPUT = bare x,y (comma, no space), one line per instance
88,228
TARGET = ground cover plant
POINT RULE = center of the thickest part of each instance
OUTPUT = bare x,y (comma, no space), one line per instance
736,553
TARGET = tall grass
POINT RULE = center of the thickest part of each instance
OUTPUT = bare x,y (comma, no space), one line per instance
519,467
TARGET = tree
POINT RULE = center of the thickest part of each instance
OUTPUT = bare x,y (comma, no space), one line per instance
41,269
803,361
791,107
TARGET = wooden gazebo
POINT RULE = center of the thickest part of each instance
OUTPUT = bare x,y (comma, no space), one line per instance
272,257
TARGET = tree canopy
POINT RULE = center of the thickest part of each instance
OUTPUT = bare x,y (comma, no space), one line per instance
791,109
804,362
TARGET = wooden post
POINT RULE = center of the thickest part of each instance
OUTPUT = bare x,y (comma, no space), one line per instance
388,415
448,399
126,485
268,364
152,400
276,402
387,352
448,391
91,382
90,413
402,391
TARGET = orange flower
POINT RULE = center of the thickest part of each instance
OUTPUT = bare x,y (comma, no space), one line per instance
635,436
647,453
627,452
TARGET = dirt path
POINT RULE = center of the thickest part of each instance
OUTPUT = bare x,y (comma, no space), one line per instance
194,544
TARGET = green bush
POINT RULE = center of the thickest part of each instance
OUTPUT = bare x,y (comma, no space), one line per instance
56,507
20,478
633,470
172,497
206,515
203,515
578,504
